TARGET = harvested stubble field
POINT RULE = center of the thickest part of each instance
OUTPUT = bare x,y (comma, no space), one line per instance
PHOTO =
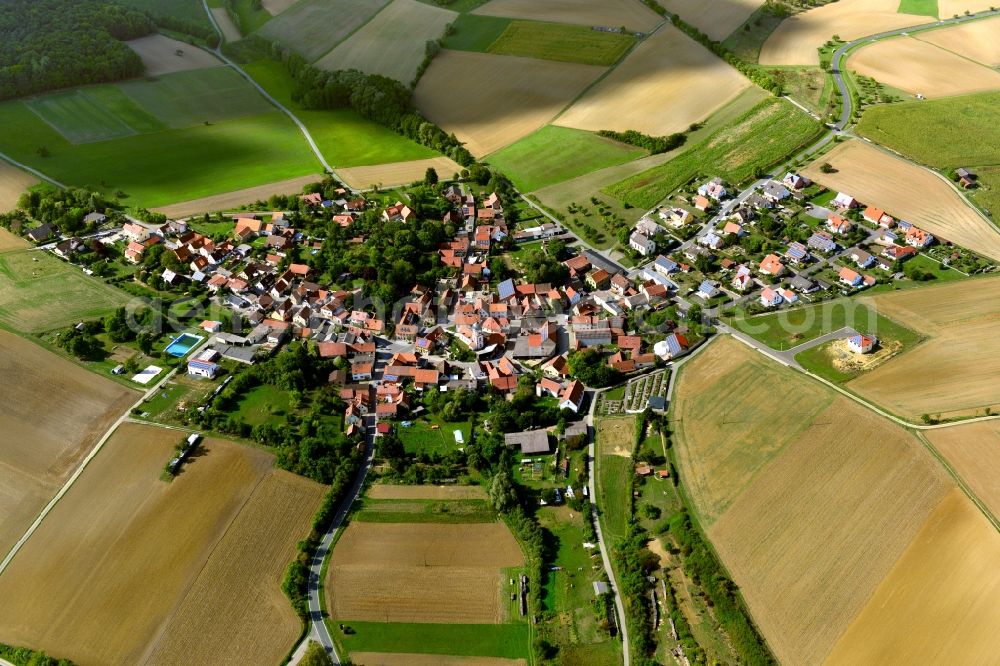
973,451
732,431
56,411
39,292
955,371
411,659
10,241
397,173
921,68
797,40
716,18
663,86
236,612
816,527
524,94
941,601
907,191
121,534
396,492
13,183
608,13
976,40
233,200
393,43
949,8
312,27
159,55
437,573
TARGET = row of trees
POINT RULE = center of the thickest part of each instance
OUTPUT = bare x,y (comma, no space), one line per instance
52,44
654,144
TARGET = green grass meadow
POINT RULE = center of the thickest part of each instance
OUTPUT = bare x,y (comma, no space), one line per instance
564,43
767,134
555,154
312,28
78,117
509,641
187,10
39,292
472,32
919,7
264,404
943,133
424,511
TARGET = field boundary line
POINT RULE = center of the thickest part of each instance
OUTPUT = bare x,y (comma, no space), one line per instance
35,172
86,461
363,24
959,481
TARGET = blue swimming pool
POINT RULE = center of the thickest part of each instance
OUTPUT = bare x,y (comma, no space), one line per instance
182,344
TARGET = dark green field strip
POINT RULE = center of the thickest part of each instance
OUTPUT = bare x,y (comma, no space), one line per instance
509,641
424,511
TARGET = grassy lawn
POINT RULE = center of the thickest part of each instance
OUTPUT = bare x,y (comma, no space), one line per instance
554,154
430,434
39,293
934,267
509,641
614,475
424,511
264,404
809,86
919,7
472,32
944,133
987,195
345,138
760,139
565,43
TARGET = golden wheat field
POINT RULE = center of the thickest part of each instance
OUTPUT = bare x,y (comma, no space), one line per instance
397,173
609,13
513,96
121,535
731,427
421,572
921,68
55,413
940,603
973,451
716,18
797,39
663,86
907,191
955,371
976,40
949,8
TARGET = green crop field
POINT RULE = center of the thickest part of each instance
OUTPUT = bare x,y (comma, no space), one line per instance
78,118
509,641
919,7
554,154
987,195
345,138
39,293
312,28
424,511
472,32
944,133
769,133
200,96
114,100
565,43
186,10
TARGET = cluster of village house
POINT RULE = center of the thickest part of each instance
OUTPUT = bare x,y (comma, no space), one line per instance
511,326
889,241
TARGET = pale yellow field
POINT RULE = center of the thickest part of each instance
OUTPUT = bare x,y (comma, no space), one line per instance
814,534
410,659
940,604
716,18
118,535
731,428
667,83
236,612
13,183
275,7
426,572
397,173
949,8
608,13
395,492
53,414
391,44
906,191
233,200
973,450
512,97
230,32
977,40
11,241
955,371
921,68
159,55
796,40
